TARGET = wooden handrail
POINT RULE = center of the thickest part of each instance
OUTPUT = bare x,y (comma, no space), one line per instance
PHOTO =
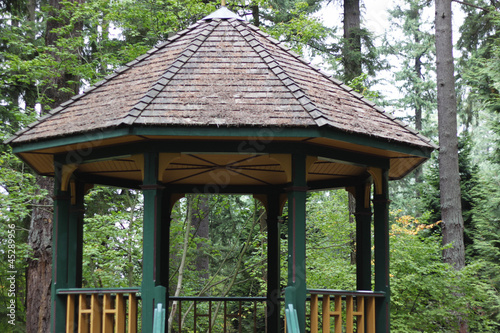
78,291
346,292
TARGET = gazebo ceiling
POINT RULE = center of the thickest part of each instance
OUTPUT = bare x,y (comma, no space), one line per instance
220,99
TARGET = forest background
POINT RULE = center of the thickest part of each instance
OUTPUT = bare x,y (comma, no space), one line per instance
53,49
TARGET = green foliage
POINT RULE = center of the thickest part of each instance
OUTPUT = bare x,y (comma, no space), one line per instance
486,238
112,233
300,30
468,183
329,242
480,45
422,286
415,76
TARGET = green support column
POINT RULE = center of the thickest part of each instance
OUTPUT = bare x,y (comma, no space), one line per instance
381,231
273,263
363,238
60,252
297,236
75,235
155,245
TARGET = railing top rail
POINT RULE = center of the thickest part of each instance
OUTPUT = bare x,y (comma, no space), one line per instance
346,292
215,298
125,290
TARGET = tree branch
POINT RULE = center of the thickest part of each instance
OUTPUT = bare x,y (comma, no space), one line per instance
471,5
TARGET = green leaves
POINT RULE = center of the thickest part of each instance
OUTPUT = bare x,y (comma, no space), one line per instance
112,252
422,286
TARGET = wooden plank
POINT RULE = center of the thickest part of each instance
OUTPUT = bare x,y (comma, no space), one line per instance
95,315
83,315
360,313
120,313
107,314
370,315
337,313
326,314
132,313
349,321
70,314
314,313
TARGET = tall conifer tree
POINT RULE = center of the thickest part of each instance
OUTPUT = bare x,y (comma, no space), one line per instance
449,176
451,208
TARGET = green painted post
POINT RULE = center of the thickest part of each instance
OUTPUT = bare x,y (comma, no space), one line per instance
381,231
75,237
297,235
273,263
363,239
154,248
60,252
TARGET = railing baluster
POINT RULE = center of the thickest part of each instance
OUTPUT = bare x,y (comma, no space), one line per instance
95,313
195,317
82,320
179,306
337,313
120,313
349,321
132,313
210,317
360,313
326,314
370,315
254,317
108,314
314,313
239,316
70,314
225,316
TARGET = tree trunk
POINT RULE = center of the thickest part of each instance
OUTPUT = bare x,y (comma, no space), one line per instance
449,177
39,272
201,229
351,51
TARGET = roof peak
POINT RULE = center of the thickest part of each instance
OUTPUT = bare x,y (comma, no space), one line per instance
223,13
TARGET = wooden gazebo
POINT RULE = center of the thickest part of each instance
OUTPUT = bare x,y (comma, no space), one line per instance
222,107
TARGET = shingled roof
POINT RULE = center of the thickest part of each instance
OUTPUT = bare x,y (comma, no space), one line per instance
220,72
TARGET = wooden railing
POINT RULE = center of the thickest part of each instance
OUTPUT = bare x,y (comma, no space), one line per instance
101,310
352,311
115,311
218,314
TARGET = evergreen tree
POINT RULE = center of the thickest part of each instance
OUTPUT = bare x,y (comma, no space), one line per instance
414,76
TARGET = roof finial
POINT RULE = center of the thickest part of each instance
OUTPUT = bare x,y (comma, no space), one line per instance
223,3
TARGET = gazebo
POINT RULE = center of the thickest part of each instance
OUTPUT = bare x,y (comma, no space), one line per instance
221,107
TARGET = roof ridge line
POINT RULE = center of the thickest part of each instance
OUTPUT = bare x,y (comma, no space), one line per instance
296,90
170,72
102,81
